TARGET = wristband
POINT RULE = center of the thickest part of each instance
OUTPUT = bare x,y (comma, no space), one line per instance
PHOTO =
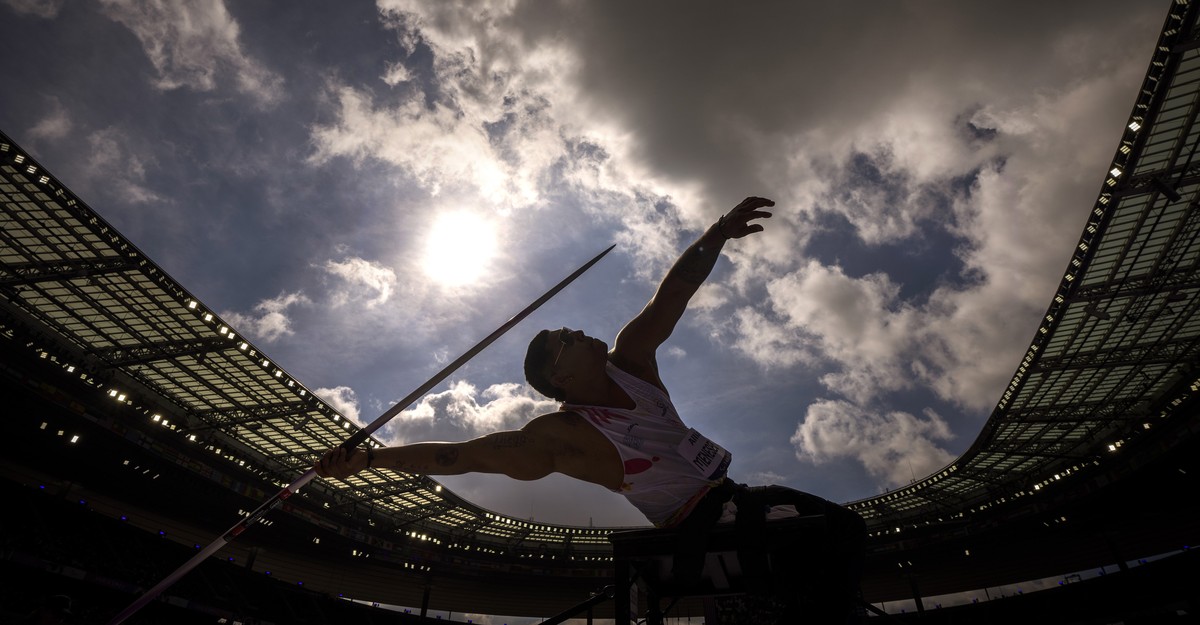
721,227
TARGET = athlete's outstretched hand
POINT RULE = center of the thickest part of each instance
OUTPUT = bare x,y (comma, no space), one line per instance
736,223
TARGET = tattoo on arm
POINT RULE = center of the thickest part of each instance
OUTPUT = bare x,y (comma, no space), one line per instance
508,440
697,262
447,457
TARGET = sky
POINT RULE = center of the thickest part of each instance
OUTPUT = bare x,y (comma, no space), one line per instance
366,189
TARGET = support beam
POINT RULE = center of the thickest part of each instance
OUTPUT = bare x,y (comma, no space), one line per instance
248,414
1170,352
1166,282
1073,412
16,274
124,356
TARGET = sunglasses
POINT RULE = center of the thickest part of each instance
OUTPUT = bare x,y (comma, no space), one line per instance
565,338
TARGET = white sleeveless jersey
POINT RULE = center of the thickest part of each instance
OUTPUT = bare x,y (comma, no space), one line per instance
668,466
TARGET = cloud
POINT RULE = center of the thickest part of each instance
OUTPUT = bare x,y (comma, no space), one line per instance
495,122
359,274
47,9
1009,181
119,167
396,73
769,114
885,200
676,352
270,321
194,45
859,324
767,342
645,141
462,412
895,447
55,125
434,146
343,399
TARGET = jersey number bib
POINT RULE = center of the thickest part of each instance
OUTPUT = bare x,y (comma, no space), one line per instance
705,456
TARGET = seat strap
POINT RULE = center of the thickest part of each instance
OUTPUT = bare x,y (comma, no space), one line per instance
751,536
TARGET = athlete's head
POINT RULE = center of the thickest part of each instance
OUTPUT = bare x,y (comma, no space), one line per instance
542,359
537,366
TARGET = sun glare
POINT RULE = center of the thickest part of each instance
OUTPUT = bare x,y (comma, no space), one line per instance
459,248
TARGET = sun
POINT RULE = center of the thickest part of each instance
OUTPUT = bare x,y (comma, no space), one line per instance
459,248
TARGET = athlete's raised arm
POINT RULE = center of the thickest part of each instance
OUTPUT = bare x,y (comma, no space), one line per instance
636,344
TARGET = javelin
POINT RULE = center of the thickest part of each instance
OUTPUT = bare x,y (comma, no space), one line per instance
354,441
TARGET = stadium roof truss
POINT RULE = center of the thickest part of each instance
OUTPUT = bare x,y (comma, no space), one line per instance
1115,350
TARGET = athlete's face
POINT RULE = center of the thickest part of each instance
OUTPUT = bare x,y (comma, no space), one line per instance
573,345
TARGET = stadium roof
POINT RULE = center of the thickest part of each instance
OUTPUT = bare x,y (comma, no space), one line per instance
1117,349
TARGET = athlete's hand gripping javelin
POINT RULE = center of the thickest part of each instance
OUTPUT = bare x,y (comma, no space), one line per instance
340,462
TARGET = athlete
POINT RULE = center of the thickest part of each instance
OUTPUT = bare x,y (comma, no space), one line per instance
617,427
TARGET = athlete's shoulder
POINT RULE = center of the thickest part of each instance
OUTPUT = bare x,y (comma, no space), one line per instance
554,422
